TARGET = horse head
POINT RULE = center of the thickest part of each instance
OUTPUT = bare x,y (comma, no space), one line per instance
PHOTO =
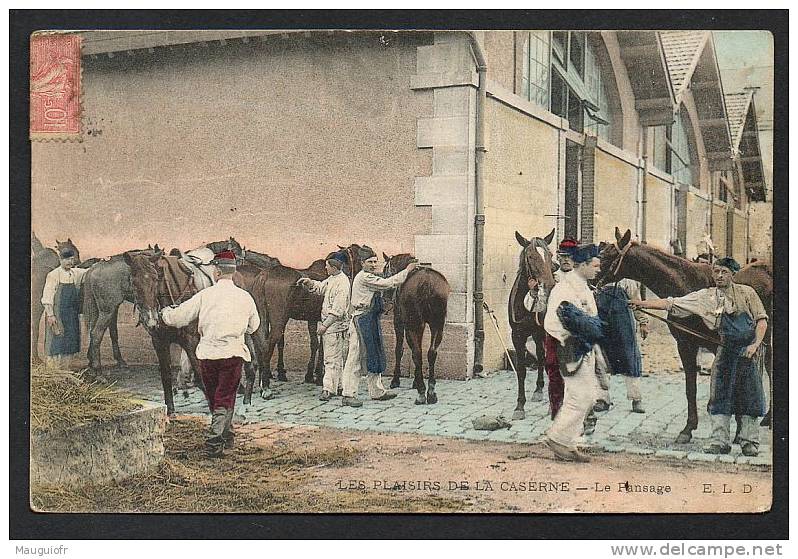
536,261
146,276
612,256
352,264
68,244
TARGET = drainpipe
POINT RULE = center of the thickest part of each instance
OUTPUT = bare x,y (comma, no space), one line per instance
479,203
644,196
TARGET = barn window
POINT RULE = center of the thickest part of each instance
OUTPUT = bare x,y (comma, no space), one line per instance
660,154
535,67
682,161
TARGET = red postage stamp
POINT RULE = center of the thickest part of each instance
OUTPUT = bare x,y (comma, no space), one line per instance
55,86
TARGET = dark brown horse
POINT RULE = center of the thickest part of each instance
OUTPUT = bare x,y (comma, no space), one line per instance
279,299
159,281
419,302
43,261
535,262
671,276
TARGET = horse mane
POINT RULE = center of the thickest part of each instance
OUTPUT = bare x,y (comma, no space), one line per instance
664,273
260,259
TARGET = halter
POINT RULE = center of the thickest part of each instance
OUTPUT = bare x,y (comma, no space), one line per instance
621,255
189,282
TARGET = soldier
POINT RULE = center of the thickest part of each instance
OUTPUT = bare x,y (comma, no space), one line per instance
366,349
736,312
61,310
226,313
334,328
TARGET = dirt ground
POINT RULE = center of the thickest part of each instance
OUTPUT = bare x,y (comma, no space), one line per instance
276,468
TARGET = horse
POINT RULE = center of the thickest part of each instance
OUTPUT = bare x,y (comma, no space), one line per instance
672,276
106,286
43,261
279,299
535,262
159,281
419,302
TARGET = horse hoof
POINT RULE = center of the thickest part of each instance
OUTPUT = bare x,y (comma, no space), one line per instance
395,383
282,377
518,415
121,364
432,398
766,422
266,394
247,400
684,437
537,395
421,400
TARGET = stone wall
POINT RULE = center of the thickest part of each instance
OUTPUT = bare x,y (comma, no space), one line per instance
291,144
98,453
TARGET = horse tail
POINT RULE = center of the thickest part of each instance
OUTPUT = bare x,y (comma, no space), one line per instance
89,310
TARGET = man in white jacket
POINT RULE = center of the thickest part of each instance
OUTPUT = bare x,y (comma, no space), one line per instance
334,328
364,287
226,313
579,375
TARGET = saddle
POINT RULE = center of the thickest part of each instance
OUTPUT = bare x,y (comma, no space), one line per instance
198,261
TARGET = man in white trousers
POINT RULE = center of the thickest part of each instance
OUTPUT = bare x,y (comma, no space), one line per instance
334,328
366,350
579,374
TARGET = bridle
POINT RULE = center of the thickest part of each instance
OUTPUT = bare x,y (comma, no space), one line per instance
166,297
613,273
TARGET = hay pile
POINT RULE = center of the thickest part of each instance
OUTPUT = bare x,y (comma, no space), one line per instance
250,479
63,399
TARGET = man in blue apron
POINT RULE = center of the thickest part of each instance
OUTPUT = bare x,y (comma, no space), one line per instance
366,352
620,341
738,315
61,301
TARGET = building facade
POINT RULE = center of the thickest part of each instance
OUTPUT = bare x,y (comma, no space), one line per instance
439,144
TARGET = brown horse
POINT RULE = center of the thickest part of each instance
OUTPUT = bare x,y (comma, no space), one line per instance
419,302
535,262
159,281
671,276
43,261
279,299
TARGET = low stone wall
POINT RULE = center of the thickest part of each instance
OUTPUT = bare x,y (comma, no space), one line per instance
97,453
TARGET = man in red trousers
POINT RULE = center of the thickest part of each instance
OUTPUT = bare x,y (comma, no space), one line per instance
226,313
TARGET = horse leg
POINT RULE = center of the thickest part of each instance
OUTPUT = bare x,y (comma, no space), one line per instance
113,330
314,348
280,361
399,330
320,363
688,352
260,340
519,343
537,395
276,331
415,336
37,310
101,324
436,333
165,367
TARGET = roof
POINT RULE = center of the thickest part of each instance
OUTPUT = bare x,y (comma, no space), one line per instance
737,105
682,50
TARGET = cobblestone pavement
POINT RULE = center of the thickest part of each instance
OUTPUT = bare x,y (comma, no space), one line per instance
618,430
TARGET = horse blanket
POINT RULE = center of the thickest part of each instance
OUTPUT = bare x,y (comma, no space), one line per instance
620,334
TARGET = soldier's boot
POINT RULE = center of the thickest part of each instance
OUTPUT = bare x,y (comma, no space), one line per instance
215,442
